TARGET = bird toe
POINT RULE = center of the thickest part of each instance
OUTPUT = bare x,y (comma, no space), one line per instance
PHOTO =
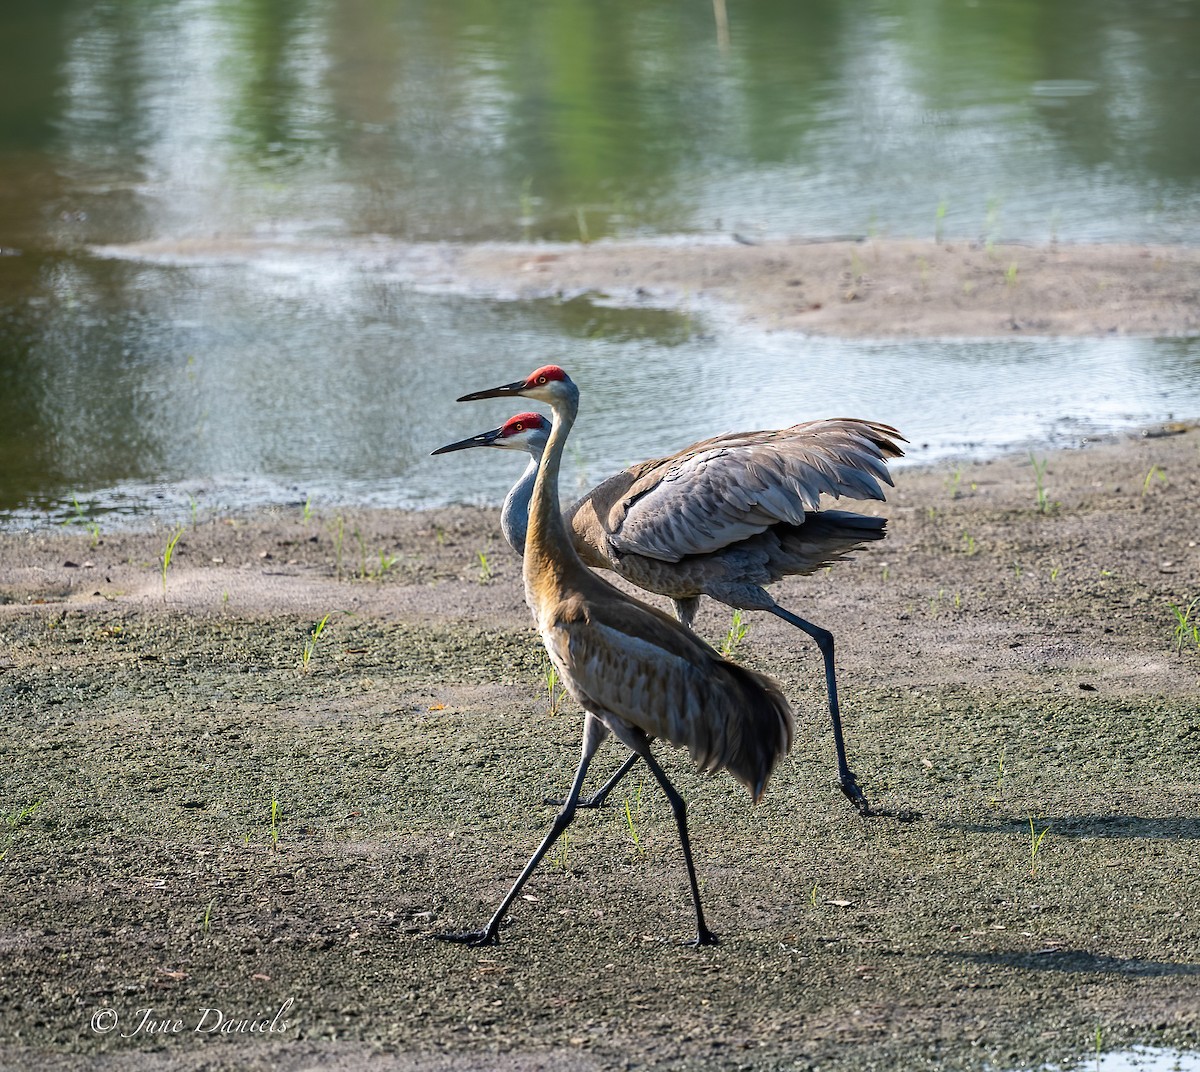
473,938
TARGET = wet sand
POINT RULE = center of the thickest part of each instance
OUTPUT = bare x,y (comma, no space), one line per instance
876,287
880,287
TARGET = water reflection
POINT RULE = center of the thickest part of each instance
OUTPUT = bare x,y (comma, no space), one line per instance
1135,1059
495,120
323,121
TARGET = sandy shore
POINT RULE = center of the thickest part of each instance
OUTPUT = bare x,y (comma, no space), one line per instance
880,287
871,287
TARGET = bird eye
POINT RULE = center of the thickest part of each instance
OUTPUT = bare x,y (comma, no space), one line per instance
541,379
518,427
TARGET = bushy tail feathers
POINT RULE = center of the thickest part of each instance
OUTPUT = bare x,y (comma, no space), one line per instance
826,537
755,732
847,525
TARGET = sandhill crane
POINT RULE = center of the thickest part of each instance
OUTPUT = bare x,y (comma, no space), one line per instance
723,518
635,671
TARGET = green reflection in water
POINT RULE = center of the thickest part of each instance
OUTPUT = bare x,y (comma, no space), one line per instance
123,120
582,318
482,119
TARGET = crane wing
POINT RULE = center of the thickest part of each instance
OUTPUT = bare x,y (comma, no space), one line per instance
722,490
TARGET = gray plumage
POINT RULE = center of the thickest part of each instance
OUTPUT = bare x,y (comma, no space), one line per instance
697,522
724,517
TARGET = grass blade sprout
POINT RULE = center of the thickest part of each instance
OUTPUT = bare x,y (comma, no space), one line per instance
167,555
310,643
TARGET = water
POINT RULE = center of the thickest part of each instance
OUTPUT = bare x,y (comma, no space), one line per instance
135,386
1138,1059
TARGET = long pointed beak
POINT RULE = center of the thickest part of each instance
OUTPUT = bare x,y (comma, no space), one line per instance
484,439
506,391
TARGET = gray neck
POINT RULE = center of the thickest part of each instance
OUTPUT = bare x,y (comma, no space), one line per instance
514,518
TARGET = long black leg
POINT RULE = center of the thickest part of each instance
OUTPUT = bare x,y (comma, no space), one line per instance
824,639
594,732
679,809
600,795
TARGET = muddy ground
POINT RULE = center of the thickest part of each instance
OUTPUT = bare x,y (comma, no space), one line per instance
192,819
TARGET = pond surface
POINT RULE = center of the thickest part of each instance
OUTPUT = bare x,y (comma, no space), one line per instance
1137,1059
139,386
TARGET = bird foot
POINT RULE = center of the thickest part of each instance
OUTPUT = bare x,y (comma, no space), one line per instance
705,937
591,802
849,785
480,937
